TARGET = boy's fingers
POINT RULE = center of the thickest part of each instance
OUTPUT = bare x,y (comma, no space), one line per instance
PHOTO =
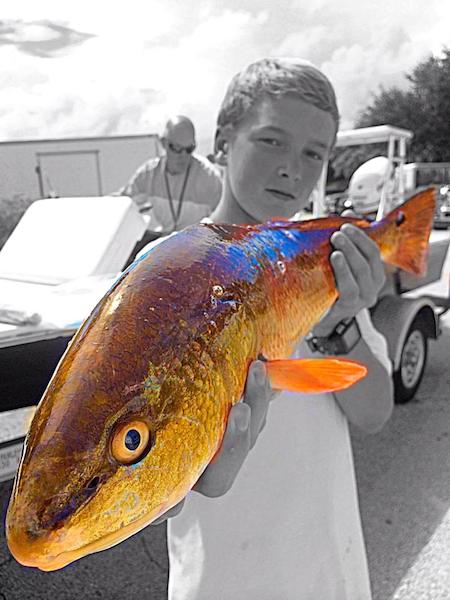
348,212
220,474
362,257
369,250
345,282
360,269
257,395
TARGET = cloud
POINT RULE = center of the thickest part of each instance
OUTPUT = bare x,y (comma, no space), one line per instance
364,45
123,69
43,39
123,83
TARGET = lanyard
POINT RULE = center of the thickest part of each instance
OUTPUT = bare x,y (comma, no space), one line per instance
176,216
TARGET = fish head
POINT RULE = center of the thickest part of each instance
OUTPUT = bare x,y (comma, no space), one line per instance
133,414
113,445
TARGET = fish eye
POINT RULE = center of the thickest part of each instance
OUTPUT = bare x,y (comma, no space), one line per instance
131,442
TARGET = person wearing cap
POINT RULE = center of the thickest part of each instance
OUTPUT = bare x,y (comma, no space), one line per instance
180,187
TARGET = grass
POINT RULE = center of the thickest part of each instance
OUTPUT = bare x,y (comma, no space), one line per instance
11,210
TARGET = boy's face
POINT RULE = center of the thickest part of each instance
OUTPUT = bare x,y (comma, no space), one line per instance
275,156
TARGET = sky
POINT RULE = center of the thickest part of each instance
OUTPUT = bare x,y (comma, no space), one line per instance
98,67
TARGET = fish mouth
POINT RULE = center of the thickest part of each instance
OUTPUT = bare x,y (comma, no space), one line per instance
47,553
281,194
39,553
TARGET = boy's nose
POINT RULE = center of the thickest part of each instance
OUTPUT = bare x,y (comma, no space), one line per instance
293,173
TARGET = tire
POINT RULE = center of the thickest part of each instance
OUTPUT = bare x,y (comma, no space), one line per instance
412,362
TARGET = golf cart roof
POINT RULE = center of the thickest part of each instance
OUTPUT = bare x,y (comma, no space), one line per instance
371,135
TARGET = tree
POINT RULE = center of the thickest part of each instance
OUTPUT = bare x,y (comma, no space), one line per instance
424,108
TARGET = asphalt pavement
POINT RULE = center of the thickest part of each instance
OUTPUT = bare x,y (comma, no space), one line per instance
135,569
403,476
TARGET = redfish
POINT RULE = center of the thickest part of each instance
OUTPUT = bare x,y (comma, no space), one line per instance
138,405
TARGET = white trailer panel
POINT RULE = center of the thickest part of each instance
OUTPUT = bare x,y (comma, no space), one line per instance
72,167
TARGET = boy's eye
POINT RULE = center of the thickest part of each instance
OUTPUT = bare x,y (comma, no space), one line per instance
274,143
314,155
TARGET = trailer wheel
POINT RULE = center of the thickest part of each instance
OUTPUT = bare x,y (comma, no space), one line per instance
412,362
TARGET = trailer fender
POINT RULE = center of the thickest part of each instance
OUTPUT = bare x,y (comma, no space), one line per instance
392,316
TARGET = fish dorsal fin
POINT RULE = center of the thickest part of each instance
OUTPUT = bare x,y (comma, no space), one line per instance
314,375
317,224
229,231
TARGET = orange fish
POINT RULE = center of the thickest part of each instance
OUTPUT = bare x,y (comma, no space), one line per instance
138,405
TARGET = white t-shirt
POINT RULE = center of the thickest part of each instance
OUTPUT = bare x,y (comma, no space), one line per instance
290,528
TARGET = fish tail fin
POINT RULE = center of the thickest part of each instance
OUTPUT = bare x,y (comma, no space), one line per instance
314,375
414,220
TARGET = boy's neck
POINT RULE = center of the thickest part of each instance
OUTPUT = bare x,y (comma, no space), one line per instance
229,211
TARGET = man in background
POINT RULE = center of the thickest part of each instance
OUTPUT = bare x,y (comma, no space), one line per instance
178,188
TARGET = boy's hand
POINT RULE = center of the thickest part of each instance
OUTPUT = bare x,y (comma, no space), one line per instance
245,422
359,275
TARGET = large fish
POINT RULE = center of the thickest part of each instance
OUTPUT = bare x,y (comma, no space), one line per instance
138,405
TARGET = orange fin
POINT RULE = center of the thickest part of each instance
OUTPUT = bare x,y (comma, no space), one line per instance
314,375
415,222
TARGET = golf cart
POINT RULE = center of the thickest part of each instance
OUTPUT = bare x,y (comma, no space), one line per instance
404,314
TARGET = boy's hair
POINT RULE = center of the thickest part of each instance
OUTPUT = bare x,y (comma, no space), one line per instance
276,77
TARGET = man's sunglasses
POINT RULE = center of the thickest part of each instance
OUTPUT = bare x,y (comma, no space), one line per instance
180,149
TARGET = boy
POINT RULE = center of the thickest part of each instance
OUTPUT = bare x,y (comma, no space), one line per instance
285,521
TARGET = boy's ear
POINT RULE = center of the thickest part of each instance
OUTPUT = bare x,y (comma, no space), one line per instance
221,143
223,137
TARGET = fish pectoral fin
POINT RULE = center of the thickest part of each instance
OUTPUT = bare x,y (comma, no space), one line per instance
314,375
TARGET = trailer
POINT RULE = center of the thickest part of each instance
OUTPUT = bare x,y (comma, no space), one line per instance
407,316
89,166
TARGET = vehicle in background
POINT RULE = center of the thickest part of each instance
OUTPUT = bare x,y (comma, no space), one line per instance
364,188
404,314
418,174
442,218
389,175
57,168
378,185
